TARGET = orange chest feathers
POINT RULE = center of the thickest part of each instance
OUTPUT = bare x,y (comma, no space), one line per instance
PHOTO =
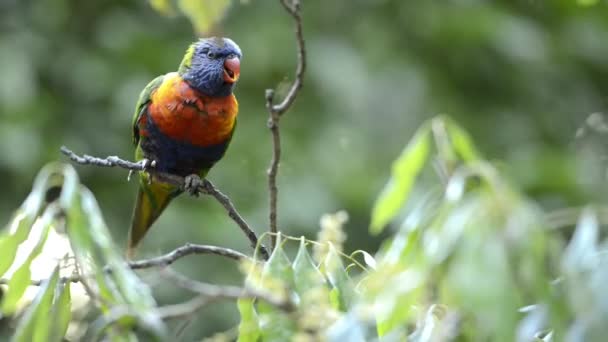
184,114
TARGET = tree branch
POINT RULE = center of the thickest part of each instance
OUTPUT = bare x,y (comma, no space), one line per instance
275,111
211,292
159,261
187,249
148,166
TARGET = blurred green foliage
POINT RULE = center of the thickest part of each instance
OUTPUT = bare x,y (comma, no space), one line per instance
521,76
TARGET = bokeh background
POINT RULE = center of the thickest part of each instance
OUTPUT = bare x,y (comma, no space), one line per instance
522,76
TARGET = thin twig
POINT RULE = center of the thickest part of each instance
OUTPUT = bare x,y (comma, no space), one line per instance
205,188
275,111
217,292
159,261
184,309
187,249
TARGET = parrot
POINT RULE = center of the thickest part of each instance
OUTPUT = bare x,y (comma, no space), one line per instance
183,124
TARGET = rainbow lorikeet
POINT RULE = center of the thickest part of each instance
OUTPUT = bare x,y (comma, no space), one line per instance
184,122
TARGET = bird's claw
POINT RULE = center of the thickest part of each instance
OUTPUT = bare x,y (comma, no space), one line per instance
192,184
148,164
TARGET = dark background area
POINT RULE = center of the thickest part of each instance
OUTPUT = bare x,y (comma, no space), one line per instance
521,76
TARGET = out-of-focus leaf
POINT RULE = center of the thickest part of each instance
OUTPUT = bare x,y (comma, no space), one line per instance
24,218
348,328
306,275
587,2
404,172
16,288
93,245
21,279
34,326
342,290
61,312
430,328
581,253
163,6
249,330
274,324
369,260
395,302
461,142
204,14
278,266
534,322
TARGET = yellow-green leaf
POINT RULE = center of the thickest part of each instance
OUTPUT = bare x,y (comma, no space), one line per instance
404,172
204,14
249,329
462,142
61,312
34,325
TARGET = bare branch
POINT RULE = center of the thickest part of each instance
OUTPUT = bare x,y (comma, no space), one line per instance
294,9
148,166
275,111
187,249
159,261
218,292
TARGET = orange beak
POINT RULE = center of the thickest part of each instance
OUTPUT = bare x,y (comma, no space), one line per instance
232,70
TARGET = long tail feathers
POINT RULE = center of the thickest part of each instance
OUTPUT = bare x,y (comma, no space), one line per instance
151,200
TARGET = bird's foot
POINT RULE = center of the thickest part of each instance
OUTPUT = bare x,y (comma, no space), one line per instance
146,165
192,184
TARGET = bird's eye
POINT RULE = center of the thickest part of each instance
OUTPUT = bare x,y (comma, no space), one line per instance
211,54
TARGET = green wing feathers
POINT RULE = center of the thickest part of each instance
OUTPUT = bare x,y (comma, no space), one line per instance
142,102
152,199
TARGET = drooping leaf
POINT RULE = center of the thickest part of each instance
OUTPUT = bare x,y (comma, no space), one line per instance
581,253
119,285
249,328
21,279
404,172
22,221
36,322
61,312
17,285
461,142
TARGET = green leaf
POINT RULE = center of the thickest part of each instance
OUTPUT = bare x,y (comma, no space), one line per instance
8,246
462,142
204,14
93,246
306,275
278,266
404,172
21,279
249,329
61,312
342,292
582,251
26,215
16,288
36,322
